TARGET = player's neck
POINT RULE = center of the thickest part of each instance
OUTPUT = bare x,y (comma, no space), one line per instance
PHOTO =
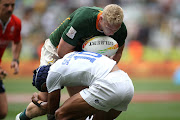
115,68
4,21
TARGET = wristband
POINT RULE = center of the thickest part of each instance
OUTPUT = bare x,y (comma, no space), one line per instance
16,60
38,103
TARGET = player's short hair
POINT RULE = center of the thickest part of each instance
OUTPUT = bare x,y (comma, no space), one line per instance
39,77
113,14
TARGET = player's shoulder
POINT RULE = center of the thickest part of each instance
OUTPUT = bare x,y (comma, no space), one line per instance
86,16
15,19
97,8
89,11
122,30
123,27
87,8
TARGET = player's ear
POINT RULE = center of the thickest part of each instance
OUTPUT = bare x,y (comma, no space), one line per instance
100,18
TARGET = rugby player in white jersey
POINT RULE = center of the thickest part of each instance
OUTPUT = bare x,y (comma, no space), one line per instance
108,93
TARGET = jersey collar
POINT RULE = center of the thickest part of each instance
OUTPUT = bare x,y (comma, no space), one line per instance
4,26
97,21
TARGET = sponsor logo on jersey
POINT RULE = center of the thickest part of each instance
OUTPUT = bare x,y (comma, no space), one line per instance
71,33
12,29
98,102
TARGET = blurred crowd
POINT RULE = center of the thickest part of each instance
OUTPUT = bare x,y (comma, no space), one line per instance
153,23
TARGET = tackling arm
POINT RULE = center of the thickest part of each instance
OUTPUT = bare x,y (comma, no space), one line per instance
118,54
64,48
53,102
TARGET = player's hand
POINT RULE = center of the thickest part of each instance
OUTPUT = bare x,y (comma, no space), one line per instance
44,106
3,74
34,97
39,103
15,65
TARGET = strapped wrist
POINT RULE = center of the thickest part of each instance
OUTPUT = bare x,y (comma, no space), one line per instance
38,103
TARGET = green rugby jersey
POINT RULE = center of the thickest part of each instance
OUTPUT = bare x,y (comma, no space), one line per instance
82,25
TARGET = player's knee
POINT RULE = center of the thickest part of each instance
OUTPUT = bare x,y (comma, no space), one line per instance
3,114
33,111
30,107
60,115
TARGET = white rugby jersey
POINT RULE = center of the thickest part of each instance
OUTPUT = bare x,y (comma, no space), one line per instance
78,69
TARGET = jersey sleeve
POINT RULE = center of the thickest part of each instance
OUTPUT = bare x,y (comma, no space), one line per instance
76,30
69,35
73,34
53,81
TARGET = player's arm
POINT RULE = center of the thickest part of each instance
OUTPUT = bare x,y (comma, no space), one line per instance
16,49
64,48
53,103
118,54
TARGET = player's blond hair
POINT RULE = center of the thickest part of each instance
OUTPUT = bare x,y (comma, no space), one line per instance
113,14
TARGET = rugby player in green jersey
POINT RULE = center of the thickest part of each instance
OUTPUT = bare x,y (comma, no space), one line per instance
87,22
82,24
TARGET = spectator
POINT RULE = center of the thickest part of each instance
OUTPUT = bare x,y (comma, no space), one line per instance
10,28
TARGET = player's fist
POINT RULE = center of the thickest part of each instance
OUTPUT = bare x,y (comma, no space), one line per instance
15,65
3,73
39,103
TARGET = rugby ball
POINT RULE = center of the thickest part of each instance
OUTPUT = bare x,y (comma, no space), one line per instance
104,45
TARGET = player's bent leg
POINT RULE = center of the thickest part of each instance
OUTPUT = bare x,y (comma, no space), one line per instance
3,105
110,115
32,110
74,108
75,89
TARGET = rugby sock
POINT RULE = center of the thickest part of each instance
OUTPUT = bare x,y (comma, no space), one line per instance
23,116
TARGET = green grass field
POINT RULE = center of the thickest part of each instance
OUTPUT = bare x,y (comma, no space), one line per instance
136,111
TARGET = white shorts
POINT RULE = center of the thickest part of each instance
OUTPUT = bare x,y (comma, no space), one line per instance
48,53
115,91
